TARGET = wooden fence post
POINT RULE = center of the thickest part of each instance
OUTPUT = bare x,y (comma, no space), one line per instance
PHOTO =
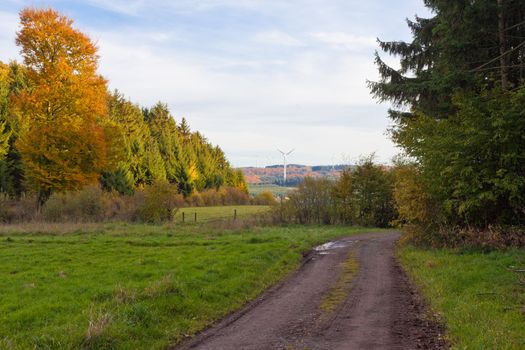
183,217
234,214
195,216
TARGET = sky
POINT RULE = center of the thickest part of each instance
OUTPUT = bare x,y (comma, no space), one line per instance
251,75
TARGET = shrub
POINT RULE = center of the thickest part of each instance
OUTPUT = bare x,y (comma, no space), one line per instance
233,195
21,210
88,204
210,197
372,194
161,200
127,208
311,203
195,200
224,196
264,198
489,238
54,209
343,197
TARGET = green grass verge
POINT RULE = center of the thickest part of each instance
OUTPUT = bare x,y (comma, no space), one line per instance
205,214
478,295
137,286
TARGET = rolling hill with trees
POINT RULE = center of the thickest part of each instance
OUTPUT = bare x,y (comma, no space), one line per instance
296,173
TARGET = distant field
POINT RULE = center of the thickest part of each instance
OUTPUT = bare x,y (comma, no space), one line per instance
276,190
123,286
205,214
480,296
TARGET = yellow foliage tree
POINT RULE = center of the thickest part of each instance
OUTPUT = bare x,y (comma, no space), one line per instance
413,202
63,117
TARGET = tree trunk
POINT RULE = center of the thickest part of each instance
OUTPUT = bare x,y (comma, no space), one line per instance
42,197
521,33
502,46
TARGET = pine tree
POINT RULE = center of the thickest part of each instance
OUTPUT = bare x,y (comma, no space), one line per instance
153,167
456,50
164,130
135,135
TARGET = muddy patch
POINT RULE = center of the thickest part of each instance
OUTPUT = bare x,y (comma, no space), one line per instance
329,247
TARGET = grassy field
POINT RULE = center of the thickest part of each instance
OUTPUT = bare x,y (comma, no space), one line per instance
276,190
480,296
136,286
205,214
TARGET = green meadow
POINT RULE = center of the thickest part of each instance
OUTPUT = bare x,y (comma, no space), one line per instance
137,286
206,214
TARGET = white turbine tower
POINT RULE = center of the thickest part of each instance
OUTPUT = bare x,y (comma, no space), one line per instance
285,154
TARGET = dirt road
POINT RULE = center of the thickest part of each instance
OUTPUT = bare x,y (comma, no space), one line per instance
378,309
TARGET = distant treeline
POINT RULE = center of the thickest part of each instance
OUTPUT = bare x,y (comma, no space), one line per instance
273,174
313,167
61,130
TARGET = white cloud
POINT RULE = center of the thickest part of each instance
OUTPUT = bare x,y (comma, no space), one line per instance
188,78
276,37
208,4
8,28
126,7
138,7
345,40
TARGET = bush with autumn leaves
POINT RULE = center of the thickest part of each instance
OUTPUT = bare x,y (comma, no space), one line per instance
62,131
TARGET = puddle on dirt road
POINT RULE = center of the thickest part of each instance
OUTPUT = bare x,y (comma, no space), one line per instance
326,248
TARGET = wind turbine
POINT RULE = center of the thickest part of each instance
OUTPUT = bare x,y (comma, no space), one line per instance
285,154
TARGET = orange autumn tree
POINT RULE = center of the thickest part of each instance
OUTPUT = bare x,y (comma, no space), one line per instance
63,121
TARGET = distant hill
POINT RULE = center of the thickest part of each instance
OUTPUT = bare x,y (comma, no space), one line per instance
273,174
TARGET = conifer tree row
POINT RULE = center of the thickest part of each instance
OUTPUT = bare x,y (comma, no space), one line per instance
60,128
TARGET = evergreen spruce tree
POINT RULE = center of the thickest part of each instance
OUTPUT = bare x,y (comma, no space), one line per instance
459,108
456,50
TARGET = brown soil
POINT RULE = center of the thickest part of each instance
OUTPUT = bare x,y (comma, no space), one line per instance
381,309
